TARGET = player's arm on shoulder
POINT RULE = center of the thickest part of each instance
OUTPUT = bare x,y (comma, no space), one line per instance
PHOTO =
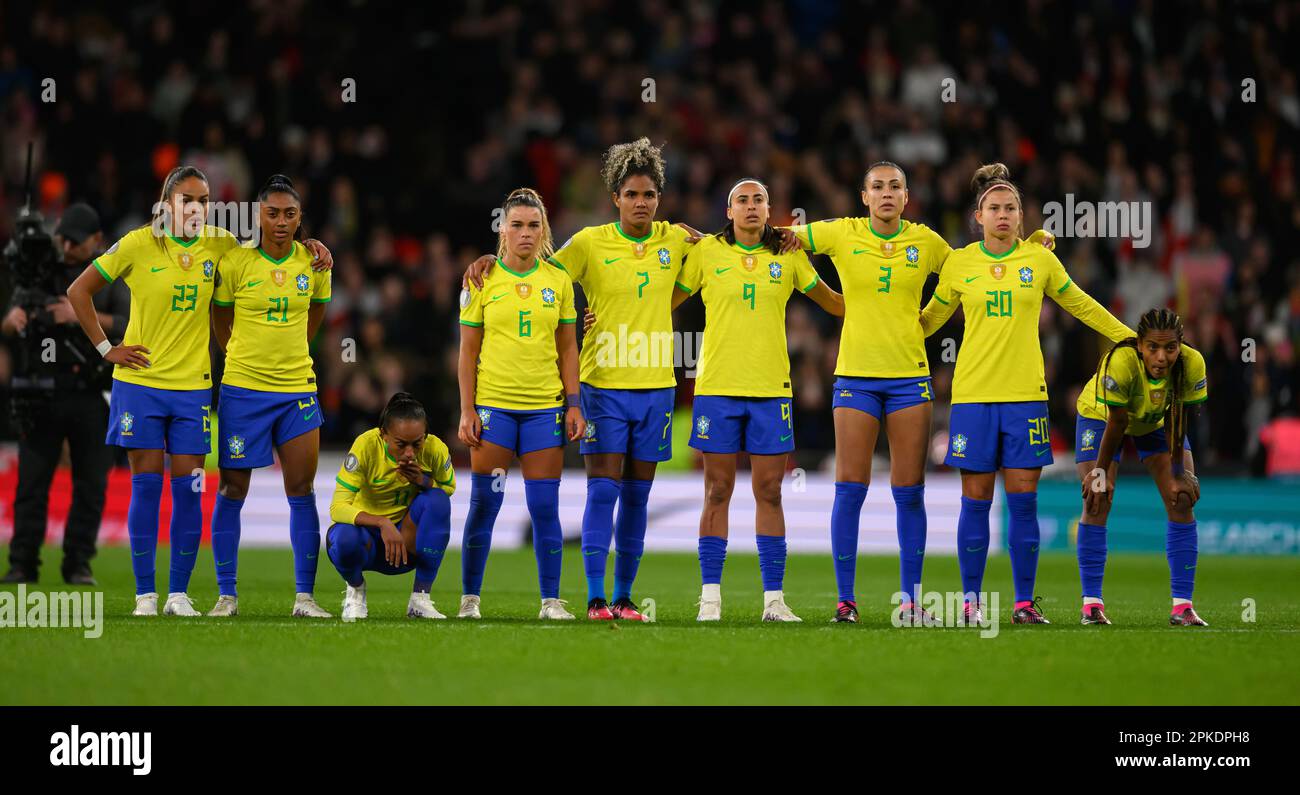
1072,298
572,256
942,304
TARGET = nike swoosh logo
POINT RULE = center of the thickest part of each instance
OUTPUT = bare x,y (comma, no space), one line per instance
843,557
1034,548
311,556
861,250
558,431
185,554
309,416
498,297
663,447
720,271
973,549
155,270
920,551
1188,568
971,279
557,551
379,481
587,554
254,282
224,562
612,261
786,437
138,554
1042,452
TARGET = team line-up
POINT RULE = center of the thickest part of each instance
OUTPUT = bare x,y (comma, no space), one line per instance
526,390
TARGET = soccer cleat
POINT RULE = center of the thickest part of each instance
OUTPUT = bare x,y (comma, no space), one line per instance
710,610
554,610
846,612
469,607
623,610
776,610
146,604
972,615
421,606
913,615
1186,618
180,604
1029,614
598,610
304,606
225,606
79,575
19,576
1094,614
354,603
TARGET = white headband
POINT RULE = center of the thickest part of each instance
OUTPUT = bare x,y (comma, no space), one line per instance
993,187
732,192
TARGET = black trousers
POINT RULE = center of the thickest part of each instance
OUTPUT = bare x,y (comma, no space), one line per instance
82,419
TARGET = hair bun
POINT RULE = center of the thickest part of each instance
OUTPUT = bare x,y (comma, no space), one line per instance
988,174
279,179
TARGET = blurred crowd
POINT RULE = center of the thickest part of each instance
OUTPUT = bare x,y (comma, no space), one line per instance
1191,107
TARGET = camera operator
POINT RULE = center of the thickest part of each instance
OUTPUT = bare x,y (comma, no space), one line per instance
59,393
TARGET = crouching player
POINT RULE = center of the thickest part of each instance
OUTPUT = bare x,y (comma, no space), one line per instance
1141,390
392,507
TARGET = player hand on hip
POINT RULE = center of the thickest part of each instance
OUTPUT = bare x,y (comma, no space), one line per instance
471,429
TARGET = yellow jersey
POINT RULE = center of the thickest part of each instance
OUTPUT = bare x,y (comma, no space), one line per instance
629,284
171,283
368,480
744,292
518,365
1126,384
1000,360
268,348
882,277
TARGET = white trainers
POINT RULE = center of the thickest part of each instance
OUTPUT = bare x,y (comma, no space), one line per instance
469,607
179,604
304,606
146,604
421,606
775,608
553,610
225,606
710,603
354,603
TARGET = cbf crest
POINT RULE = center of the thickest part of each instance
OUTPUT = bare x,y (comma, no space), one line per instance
302,282
665,258
1089,436
774,270
1026,276
208,268
126,422
702,427
235,444
484,415
548,295
913,254
959,443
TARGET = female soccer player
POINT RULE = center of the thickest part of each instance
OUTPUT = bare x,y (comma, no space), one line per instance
392,507
162,380
999,393
742,387
513,394
267,307
627,270
1141,390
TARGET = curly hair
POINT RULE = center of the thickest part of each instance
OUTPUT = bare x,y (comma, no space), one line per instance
628,160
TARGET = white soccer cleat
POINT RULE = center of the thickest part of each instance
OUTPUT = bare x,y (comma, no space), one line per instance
469,607
421,606
553,610
776,609
180,604
146,604
711,610
225,606
354,604
304,606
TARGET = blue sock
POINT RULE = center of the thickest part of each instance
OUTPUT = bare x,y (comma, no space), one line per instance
347,551
909,509
484,505
543,497
186,530
225,542
1092,558
629,534
304,536
846,511
1180,548
431,512
973,544
597,530
1022,542
142,528
771,561
713,553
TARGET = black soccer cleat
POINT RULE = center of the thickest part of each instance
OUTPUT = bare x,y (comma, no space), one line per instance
1029,614
18,575
846,612
1093,614
1186,618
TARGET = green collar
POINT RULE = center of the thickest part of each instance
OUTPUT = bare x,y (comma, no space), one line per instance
750,248
619,228
182,243
536,263
1014,246
279,261
902,224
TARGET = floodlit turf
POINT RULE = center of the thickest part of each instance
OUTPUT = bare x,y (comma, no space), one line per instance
265,657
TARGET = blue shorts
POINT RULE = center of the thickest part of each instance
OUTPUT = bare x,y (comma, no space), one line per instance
375,539
1087,441
147,418
251,422
635,422
881,396
985,437
522,431
761,426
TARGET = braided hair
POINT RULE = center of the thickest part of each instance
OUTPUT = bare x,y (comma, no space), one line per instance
402,406
1175,412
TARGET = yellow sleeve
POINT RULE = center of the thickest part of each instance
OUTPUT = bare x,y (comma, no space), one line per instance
223,293
805,275
439,463
942,304
471,307
688,279
1195,382
572,256
347,484
222,239
1061,289
1115,382
117,260
323,290
819,237
938,253
568,312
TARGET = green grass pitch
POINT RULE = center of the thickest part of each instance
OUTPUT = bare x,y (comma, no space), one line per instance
265,657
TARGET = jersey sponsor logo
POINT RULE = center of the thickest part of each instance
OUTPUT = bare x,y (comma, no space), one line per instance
1089,436
959,444
1026,275
350,463
913,254
126,422
208,268
548,296
702,427
665,257
464,298
774,270
302,282
235,444
484,416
